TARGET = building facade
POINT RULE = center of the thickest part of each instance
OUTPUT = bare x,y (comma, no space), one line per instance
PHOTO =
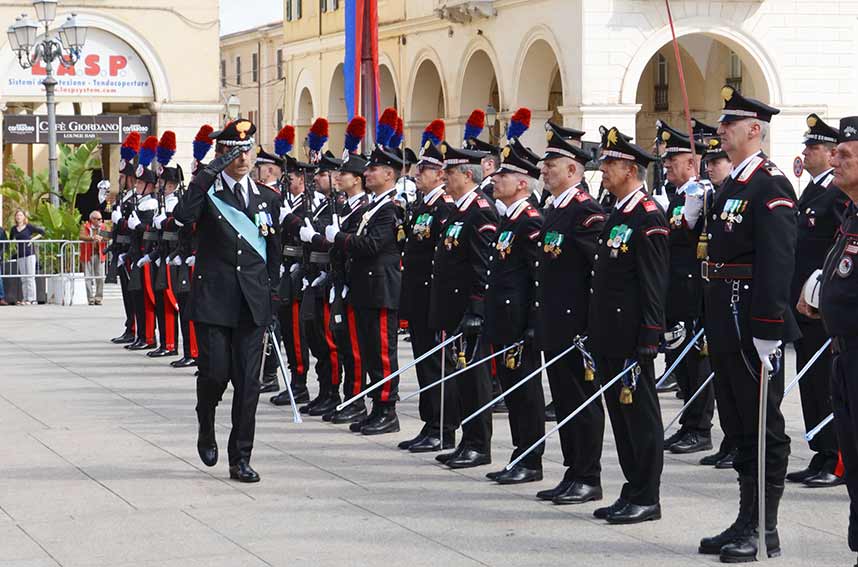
583,62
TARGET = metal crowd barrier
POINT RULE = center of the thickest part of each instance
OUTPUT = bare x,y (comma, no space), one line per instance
53,267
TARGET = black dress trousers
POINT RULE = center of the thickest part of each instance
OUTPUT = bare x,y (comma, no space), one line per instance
377,333
526,407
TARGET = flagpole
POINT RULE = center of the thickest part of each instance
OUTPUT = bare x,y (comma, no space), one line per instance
368,68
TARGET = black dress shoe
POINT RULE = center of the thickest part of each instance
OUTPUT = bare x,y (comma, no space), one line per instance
431,444
135,343
711,460
824,480
500,407
469,458
405,445
385,421
692,442
282,399
305,409
161,352
269,387
444,457
495,474
350,413
328,405
206,441
551,412
802,475
519,475
668,385
727,461
184,362
242,472
668,443
550,493
603,513
141,346
635,514
578,493
124,338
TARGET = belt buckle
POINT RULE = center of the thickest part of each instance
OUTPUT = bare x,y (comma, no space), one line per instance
704,270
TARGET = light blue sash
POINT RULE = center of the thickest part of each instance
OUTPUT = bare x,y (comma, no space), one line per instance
242,225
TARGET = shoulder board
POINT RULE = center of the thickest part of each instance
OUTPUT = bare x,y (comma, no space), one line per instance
827,181
649,206
448,199
531,212
657,230
780,202
772,169
582,196
633,202
483,203
752,167
598,217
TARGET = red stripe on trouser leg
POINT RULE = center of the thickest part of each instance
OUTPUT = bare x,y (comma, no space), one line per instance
385,359
840,469
493,362
353,337
296,337
403,323
148,305
193,333
332,347
169,323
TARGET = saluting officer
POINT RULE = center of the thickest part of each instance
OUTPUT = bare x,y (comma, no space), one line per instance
820,210
570,232
234,289
747,275
423,234
508,307
459,279
626,322
838,305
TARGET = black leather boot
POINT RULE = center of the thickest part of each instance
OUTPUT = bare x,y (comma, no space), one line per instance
206,442
386,421
744,521
744,549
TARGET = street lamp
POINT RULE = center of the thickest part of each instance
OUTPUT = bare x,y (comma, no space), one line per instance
491,120
23,39
233,107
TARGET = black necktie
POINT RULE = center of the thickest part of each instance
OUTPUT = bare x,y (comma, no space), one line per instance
239,196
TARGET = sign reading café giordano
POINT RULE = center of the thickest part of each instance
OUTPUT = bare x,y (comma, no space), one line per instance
109,128
108,69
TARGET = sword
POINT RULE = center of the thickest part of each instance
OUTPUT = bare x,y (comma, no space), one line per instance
408,366
762,551
576,344
813,432
270,334
679,358
807,366
572,415
443,371
688,403
457,372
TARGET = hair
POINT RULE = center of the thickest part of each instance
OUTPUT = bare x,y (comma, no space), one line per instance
764,129
476,171
641,172
491,157
532,184
93,212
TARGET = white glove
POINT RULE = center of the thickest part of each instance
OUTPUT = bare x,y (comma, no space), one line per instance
159,220
332,295
294,267
331,232
190,261
307,231
144,260
133,221
176,261
304,284
345,291
115,216
158,262
693,204
766,348
122,258
319,279
282,270
103,190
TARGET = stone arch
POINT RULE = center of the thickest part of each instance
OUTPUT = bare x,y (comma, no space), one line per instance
539,86
428,96
388,94
337,113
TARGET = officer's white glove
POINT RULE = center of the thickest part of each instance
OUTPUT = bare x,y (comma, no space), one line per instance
122,258
307,231
144,260
319,279
115,216
304,284
294,267
766,348
158,262
693,204
282,270
345,291
190,261
133,221
159,220
103,190
285,209
332,295
331,232
176,261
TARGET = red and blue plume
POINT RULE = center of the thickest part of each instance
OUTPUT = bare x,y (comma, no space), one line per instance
355,132
518,124
396,139
475,124
130,146
148,150
386,126
285,140
202,142
434,132
318,135
166,147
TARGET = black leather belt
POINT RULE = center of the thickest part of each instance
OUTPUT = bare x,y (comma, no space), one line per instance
717,271
320,258
149,236
293,251
844,344
171,236
123,239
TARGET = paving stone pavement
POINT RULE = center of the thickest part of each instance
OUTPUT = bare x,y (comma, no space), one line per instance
100,469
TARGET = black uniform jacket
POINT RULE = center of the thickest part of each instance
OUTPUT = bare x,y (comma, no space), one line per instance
820,212
567,247
630,279
229,272
752,223
422,235
373,256
509,293
459,275
838,297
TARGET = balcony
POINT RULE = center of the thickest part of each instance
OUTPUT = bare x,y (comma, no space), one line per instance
466,11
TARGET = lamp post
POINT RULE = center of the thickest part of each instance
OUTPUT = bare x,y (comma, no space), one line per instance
491,120
233,107
65,50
